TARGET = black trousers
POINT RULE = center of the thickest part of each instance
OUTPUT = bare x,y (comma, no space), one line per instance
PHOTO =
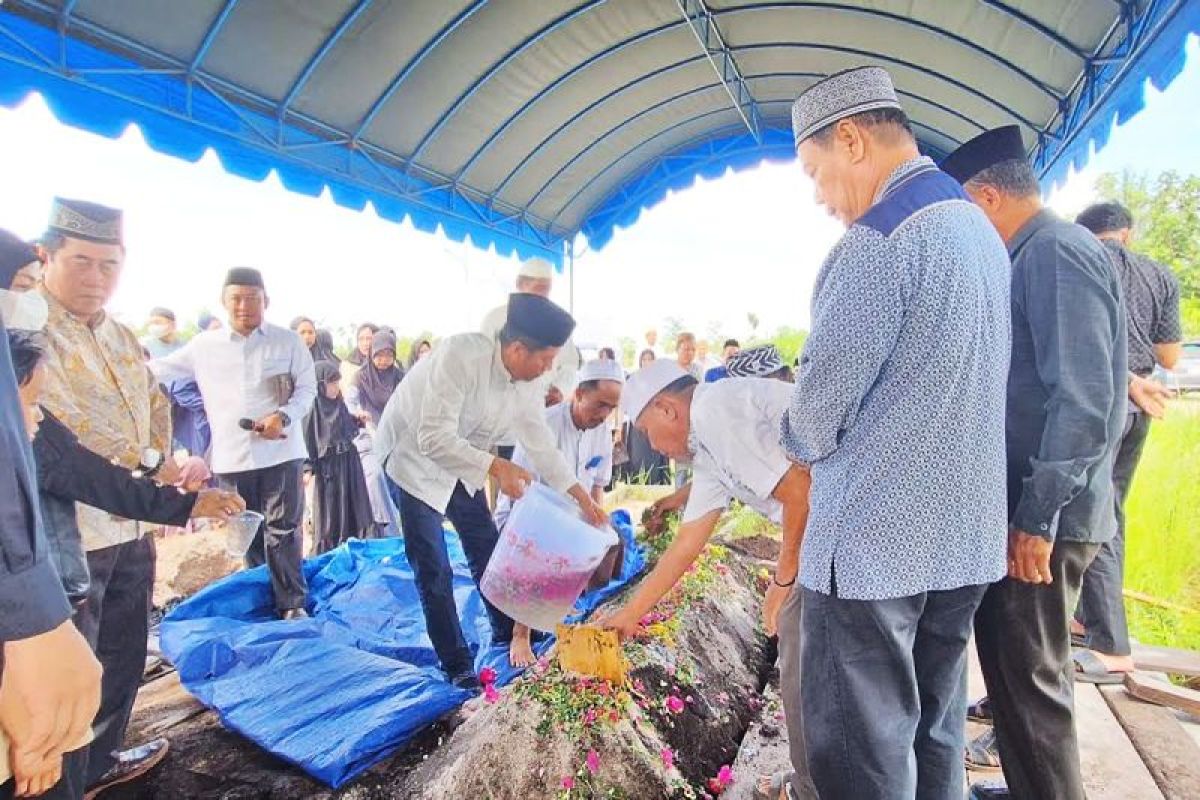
278,494
1024,643
426,549
1101,604
884,705
115,620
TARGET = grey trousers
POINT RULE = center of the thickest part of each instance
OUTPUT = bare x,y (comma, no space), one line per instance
1101,604
789,621
884,702
1024,643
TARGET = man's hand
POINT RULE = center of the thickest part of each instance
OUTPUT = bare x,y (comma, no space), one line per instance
656,520
218,504
50,693
270,427
1150,396
1029,557
513,480
592,512
623,622
168,474
776,595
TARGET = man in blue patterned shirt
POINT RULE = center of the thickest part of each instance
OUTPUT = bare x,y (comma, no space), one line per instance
899,414
1067,387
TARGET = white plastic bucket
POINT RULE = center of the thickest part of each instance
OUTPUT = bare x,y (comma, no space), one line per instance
544,558
240,531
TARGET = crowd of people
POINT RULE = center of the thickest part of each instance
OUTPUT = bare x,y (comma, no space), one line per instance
949,455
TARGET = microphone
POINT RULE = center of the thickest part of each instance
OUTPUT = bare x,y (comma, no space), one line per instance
247,424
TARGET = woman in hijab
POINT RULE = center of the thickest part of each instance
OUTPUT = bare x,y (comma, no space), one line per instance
322,347
341,505
367,395
419,350
379,376
361,351
20,267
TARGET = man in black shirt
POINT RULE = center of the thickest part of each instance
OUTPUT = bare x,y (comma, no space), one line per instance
1152,306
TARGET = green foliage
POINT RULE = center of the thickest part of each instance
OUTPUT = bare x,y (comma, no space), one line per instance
1166,213
1189,312
628,352
1162,537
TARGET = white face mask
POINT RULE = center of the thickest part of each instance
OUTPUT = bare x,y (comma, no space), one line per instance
158,330
23,310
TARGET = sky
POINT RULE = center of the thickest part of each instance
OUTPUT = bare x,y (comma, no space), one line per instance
749,242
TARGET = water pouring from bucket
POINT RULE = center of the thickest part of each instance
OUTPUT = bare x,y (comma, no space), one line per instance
240,531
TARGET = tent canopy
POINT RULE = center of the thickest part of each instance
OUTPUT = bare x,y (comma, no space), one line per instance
522,123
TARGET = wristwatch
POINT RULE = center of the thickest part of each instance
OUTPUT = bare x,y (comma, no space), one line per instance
284,418
150,462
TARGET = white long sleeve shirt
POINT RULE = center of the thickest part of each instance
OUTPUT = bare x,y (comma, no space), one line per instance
246,377
451,410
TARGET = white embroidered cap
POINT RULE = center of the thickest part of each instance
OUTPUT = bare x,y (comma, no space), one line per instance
646,383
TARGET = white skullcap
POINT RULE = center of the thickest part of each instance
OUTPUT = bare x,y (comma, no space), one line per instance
536,268
647,382
601,370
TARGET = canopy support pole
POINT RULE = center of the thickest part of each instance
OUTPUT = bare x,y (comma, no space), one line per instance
704,26
569,246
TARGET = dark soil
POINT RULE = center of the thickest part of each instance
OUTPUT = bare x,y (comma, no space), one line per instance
763,548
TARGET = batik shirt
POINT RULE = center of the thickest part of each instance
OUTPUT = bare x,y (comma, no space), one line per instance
98,385
899,401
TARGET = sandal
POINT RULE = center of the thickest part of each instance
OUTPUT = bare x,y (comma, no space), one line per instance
780,786
982,754
980,711
1090,669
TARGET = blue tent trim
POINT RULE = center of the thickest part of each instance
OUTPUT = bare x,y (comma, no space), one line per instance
104,94
100,81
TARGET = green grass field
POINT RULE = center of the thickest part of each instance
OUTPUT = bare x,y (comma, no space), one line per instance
1163,531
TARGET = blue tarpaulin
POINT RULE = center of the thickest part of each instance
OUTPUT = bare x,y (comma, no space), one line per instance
339,692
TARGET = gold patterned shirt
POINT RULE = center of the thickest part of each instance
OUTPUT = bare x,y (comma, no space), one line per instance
98,384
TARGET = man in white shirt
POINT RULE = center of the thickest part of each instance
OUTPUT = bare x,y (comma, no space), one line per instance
257,382
536,276
434,441
729,431
579,431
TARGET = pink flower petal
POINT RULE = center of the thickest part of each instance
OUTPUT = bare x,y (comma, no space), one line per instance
593,762
487,675
668,757
725,775
675,705
568,783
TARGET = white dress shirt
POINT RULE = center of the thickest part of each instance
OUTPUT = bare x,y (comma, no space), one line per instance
451,410
239,377
735,433
580,449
